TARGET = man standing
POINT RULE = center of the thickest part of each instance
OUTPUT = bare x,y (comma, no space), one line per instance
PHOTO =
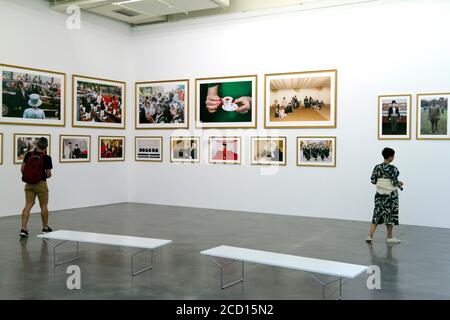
36,169
76,152
34,112
394,115
434,116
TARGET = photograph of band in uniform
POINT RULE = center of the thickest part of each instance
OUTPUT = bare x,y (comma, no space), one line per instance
316,151
24,143
74,148
32,97
432,116
394,117
98,103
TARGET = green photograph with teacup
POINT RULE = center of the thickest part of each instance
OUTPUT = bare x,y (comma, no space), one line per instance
32,96
226,102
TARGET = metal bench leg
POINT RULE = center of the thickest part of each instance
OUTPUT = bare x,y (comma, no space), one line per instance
55,246
133,273
324,284
221,266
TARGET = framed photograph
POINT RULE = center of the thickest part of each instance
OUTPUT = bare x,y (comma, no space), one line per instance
226,102
111,149
432,116
394,117
185,149
24,143
32,96
226,150
268,150
98,103
1,148
300,99
162,104
74,148
149,149
316,151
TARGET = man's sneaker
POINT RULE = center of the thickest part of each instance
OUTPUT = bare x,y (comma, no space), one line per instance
24,233
47,230
369,239
393,240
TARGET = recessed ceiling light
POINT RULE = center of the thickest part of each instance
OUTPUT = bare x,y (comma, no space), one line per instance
124,2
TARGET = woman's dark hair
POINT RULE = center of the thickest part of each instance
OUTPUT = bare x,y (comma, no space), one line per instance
387,153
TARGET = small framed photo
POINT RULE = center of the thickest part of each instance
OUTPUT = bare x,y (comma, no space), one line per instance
316,151
1,148
24,143
111,149
185,149
32,96
226,102
301,99
74,148
149,149
98,103
268,150
433,116
225,150
394,117
162,104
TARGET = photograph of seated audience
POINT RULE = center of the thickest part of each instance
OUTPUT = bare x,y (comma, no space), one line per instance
99,102
300,99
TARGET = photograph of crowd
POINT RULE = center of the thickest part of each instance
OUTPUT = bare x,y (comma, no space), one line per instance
268,150
303,99
24,143
394,120
98,103
74,148
162,104
432,116
29,96
185,149
149,149
225,150
227,102
111,149
316,151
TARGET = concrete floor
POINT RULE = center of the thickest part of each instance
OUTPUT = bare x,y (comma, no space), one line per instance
419,268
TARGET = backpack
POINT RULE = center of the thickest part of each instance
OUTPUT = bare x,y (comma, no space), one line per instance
34,167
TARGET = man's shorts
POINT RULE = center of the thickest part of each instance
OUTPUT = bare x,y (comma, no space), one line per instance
40,190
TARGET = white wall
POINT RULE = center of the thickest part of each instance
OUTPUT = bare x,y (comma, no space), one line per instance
32,35
380,48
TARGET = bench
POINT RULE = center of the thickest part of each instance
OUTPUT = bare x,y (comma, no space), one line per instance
310,265
142,244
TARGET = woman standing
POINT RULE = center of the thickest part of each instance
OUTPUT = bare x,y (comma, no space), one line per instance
385,177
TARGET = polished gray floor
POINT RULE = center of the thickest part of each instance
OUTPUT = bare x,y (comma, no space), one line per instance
419,268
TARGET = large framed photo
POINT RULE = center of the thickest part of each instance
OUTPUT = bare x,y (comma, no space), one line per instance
433,116
32,96
1,148
98,103
149,149
226,150
24,143
316,151
394,117
185,149
162,104
268,150
226,102
111,149
74,148
301,99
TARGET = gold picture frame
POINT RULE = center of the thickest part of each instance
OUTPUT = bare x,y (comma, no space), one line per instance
74,160
1,148
98,124
224,138
161,149
316,104
191,139
269,163
162,126
322,164
226,124
439,96
46,97
113,159
18,159
381,118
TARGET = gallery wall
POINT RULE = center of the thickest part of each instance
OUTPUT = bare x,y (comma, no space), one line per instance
35,36
387,47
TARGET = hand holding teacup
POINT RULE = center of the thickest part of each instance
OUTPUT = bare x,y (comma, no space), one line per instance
245,104
213,103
